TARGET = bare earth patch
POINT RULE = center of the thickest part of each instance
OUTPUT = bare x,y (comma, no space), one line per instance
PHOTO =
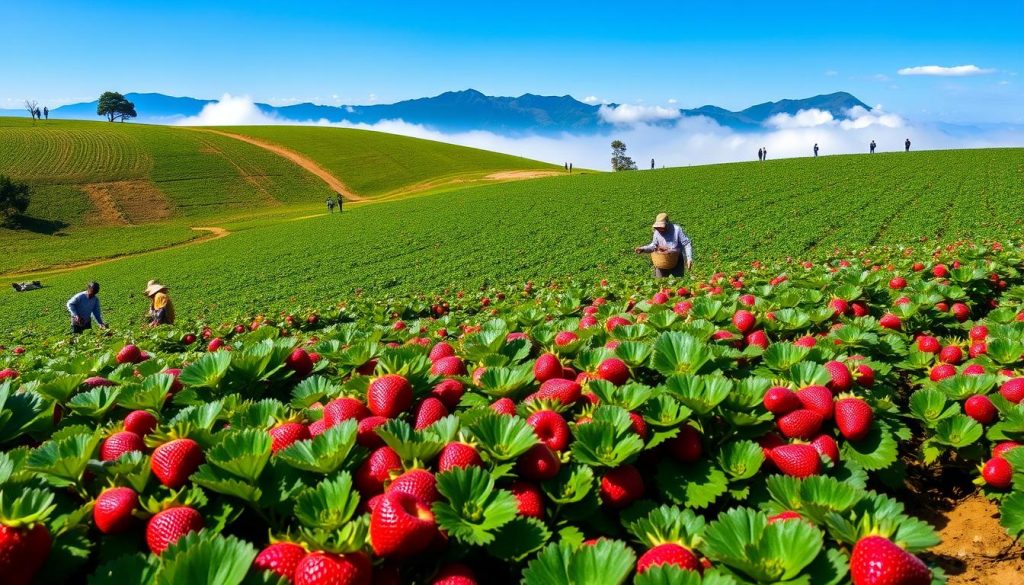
975,548
127,202
520,175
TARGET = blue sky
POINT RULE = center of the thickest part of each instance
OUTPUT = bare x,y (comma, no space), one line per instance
732,54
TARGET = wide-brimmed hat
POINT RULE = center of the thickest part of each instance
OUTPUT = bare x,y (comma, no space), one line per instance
661,220
154,287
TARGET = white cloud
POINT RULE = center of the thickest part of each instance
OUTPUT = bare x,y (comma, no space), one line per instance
831,73
591,99
673,101
230,111
802,119
689,140
939,71
629,114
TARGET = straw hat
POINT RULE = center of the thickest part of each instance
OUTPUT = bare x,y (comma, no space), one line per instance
661,220
154,287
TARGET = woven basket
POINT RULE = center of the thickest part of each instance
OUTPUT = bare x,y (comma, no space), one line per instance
665,260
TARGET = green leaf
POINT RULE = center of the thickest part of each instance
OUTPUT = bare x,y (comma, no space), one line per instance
743,540
695,485
312,390
958,431
700,393
202,557
503,438
95,403
518,538
411,445
668,524
607,440
207,371
930,406
329,505
63,462
325,453
475,509
1011,514
608,562
220,481
135,569
571,485
741,459
877,450
679,353
243,453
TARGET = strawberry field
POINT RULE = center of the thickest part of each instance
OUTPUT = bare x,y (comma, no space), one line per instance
776,423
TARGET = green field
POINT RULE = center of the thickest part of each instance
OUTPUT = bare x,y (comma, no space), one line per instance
550,228
101,190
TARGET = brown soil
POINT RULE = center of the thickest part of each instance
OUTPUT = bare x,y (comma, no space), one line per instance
127,202
296,158
520,175
975,548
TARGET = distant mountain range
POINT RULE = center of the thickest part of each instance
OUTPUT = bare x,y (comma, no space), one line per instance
460,111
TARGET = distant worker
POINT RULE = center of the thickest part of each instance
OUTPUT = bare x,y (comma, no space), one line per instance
815,149
906,145
339,202
872,147
161,309
652,164
330,205
83,307
567,167
760,154
570,168
765,149
669,237
46,112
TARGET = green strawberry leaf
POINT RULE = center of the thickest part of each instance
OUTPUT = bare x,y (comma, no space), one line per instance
931,407
608,562
311,390
695,485
203,557
672,575
62,462
218,480
743,540
958,431
502,438
741,459
668,524
877,450
243,453
329,505
680,353
207,371
135,568
411,445
475,509
571,485
700,393
325,453
665,412
1011,514
518,538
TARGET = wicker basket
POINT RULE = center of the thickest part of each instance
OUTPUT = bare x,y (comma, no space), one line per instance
665,260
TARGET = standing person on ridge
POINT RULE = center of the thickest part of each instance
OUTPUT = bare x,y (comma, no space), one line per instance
906,145
669,237
83,307
765,150
570,168
330,205
872,147
46,112
567,167
339,202
760,155
161,309
815,149
652,164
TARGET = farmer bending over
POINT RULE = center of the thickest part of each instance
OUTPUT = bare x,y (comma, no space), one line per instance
83,307
161,309
669,237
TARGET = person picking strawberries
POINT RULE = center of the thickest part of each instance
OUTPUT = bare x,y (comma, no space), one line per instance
669,237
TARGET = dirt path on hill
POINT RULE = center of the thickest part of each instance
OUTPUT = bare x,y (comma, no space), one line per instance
304,162
216,233
520,175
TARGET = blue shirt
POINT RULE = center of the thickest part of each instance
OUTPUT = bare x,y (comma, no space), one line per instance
674,240
85,308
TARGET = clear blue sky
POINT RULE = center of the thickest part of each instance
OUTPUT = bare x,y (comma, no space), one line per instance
732,54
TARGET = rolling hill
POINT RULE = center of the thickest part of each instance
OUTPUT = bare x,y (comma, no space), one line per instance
584,225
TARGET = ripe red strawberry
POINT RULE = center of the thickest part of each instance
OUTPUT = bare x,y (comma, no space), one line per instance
757,338
768,442
418,483
797,460
325,568
979,333
389,395
928,344
616,321
621,486
129,354
808,341
376,470
826,445
744,321
668,554
281,558
565,391
174,461
366,432
564,338
1001,449
448,366
898,283
940,271
427,412
781,400
941,372
317,428
951,354
112,512
853,417
818,399
539,463
638,424
166,527
530,497
864,376
299,362
878,561
504,406
120,443
802,423
550,428
441,349
977,348
23,550
344,408
686,446
284,434
140,422
1013,390
613,370
8,374
547,367
455,574
998,473
980,408
783,516
215,344
840,306
890,321
449,392
458,455
842,381
747,300
961,312
401,525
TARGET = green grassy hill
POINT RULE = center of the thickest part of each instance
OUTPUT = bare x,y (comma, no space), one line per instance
375,164
584,225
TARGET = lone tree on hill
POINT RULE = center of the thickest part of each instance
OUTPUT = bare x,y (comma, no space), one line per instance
32,108
621,162
13,198
115,107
